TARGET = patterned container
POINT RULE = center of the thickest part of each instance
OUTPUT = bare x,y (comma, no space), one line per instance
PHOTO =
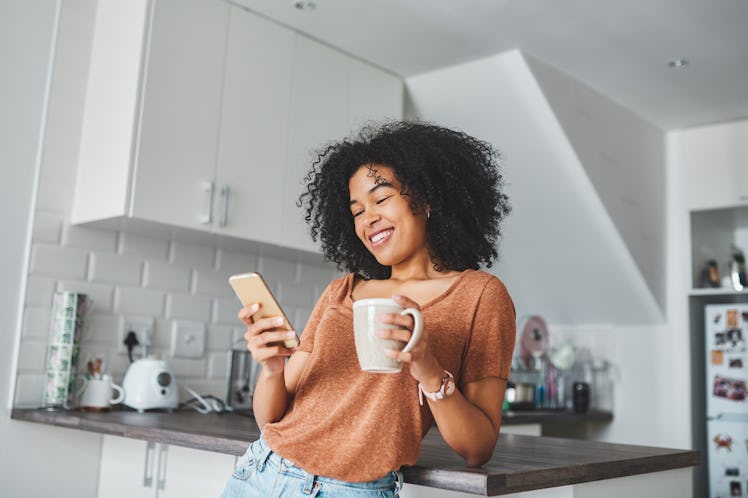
65,331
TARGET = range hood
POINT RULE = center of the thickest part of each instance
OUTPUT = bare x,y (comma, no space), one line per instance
566,252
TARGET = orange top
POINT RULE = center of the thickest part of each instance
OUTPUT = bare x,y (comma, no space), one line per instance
357,426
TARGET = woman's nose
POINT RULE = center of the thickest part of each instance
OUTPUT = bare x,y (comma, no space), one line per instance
371,216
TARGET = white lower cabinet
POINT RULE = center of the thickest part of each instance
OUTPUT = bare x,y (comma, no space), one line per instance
132,468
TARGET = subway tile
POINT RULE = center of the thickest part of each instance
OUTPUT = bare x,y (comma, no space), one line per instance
32,356
139,301
39,291
232,263
295,294
211,283
193,256
225,311
102,329
315,274
61,262
161,339
55,195
301,318
277,270
219,338
145,247
93,239
36,322
47,227
28,390
166,276
188,307
218,365
115,269
187,367
100,294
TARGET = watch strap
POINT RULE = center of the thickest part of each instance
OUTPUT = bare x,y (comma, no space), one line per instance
436,395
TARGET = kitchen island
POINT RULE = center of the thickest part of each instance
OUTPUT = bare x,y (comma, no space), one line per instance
519,463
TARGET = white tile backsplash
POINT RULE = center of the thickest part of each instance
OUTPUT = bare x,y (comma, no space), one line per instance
277,270
225,310
139,301
32,356
61,262
115,269
180,306
166,276
232,263
47,228
89,238
39,290
212,283
101,294
193,256
36,323
145,247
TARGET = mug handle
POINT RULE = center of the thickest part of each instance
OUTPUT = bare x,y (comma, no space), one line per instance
120,394
417,328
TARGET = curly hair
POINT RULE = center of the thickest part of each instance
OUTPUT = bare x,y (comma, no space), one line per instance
457,176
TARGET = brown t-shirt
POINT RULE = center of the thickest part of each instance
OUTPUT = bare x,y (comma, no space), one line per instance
356,426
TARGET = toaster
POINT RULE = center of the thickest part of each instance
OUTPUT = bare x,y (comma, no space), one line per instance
149,384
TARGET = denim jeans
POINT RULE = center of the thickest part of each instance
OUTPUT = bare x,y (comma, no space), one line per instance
260,473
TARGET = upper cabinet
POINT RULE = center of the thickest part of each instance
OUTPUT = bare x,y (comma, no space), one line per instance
204,116
713,162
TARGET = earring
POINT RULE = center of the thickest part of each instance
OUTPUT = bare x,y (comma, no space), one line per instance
428,215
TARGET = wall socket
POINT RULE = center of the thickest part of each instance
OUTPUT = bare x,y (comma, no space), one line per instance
143,326
187,339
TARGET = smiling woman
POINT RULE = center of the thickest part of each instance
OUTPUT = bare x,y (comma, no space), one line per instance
410,210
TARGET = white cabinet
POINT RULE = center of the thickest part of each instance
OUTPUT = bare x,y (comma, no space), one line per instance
132,469
715,165
153,106
201,115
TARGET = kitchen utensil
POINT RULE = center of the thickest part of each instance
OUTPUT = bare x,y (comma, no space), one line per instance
533,341
242,375
149,384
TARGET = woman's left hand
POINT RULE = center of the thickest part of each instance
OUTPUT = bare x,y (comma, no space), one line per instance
424,367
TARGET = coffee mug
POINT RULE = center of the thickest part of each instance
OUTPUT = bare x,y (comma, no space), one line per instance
370,348
97,394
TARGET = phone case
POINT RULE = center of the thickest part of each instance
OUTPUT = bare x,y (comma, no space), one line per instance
251,288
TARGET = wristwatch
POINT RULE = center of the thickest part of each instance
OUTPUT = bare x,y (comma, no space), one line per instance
447,388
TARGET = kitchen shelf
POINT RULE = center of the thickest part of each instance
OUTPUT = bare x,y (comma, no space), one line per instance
720,291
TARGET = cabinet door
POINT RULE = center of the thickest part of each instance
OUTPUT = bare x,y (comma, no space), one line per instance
128,468
714,165
254,122
374,95
180,110
195,473
318,114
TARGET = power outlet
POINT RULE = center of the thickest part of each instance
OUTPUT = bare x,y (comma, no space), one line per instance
187,339
143,326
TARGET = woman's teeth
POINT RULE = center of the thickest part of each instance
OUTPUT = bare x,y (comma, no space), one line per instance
378,237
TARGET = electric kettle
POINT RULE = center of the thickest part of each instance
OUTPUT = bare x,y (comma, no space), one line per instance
149,384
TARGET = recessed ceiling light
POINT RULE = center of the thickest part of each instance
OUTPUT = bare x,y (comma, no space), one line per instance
679,62
304,4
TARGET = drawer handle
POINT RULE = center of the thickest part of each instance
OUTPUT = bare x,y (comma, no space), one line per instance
163,449
224,218
150,449
206,217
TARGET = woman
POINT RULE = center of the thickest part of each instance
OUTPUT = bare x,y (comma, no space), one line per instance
410,210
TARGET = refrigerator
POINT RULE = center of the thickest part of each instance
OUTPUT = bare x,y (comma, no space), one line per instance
726,328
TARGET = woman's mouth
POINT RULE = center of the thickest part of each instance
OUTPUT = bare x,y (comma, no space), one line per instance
380,238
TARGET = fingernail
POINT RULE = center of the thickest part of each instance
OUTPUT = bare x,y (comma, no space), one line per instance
278,321
254,307
290,334
396,296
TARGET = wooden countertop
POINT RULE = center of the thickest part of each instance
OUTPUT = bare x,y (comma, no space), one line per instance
520,463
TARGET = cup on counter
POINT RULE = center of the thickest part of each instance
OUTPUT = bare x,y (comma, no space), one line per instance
97,395
370,348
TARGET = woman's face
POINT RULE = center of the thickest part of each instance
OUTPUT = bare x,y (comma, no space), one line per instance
383,218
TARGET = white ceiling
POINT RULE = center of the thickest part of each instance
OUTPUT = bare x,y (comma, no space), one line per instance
619,48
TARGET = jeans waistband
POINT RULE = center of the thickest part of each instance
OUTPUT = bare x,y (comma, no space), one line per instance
265,456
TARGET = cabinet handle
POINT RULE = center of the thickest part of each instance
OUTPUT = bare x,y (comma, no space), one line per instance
207,215
224,218
150,448
161,482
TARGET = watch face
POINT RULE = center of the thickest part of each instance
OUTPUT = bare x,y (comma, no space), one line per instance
449,387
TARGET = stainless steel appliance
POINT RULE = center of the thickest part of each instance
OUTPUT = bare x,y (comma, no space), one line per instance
240,385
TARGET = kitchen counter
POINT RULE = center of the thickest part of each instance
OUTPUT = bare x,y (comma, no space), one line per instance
519,463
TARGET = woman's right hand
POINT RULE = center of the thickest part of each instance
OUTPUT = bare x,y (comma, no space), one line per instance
265,339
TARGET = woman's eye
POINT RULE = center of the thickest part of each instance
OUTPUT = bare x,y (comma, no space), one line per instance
355,214
383,199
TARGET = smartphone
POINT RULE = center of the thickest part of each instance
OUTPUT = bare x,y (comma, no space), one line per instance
251,288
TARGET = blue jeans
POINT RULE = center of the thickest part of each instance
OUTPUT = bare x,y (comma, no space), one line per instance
260,473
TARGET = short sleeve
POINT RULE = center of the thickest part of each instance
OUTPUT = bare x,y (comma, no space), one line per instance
491,343
307,337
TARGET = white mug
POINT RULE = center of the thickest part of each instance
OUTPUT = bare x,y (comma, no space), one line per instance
369,347
97,394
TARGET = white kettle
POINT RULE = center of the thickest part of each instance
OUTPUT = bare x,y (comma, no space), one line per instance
149,384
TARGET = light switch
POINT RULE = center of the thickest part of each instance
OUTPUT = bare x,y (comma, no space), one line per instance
187,339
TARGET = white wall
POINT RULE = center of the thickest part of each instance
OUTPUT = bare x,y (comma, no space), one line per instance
560,230
36,461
